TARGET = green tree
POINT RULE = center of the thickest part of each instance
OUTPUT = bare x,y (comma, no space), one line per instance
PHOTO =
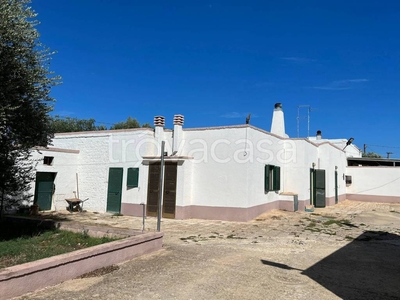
25,101
68,124
129,123
147,125
372,155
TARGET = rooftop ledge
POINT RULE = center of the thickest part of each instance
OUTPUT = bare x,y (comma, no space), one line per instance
166,158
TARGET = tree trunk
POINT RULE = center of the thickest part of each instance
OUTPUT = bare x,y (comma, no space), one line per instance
2,206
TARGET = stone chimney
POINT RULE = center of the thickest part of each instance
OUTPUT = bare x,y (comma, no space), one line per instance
178,133
159,123
278,121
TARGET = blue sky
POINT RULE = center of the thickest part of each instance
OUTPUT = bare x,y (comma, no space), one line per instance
216,61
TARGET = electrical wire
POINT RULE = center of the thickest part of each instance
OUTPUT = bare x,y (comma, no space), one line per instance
368,145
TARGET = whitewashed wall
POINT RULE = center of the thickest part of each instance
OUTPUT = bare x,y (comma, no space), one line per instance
228,166
100,151
297,172
218,167
329,158
351,150
215,173
376,184
65,165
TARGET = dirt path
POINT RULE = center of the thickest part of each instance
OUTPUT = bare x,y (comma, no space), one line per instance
349,251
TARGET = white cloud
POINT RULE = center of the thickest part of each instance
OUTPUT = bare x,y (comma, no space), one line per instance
236,115
233,115
353,80
330,88
338,85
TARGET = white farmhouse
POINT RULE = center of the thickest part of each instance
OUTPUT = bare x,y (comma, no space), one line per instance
225,173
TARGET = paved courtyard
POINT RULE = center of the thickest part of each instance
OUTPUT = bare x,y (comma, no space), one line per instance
347,251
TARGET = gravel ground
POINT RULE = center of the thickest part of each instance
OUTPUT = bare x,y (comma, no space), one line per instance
348,251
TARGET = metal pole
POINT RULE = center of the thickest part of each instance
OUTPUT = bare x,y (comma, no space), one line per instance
308,121
144,212
160,189
77,186
336,186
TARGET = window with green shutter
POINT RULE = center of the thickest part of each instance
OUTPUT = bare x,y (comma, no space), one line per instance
266,178
133,178
272,178
277,178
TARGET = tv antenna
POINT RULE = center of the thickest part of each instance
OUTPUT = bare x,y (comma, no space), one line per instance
248,119
308,107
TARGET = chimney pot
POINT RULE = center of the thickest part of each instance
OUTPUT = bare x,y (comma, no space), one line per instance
159,121
178,120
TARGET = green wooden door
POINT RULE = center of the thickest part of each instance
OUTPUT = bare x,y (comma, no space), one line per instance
44,190
114,190
319,188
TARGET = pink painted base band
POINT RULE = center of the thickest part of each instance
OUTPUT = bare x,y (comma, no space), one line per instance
220,213
240,214
374,198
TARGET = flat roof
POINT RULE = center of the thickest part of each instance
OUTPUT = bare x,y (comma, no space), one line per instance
372,161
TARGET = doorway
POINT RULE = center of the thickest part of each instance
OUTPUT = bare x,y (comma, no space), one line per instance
317,188
153,191
114,190
44,189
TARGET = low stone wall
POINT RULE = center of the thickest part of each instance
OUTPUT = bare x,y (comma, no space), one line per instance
24,278
98,231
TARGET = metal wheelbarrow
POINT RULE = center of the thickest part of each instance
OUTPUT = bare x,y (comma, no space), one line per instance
75,204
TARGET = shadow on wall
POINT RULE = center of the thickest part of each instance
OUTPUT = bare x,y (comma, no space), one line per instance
367,268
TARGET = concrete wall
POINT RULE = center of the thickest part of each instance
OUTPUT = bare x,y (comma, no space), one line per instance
375,184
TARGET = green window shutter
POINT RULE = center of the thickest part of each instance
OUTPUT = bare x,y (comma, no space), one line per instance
266,178
133,178
277,178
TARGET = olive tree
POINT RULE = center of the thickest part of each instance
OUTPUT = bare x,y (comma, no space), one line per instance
25,101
